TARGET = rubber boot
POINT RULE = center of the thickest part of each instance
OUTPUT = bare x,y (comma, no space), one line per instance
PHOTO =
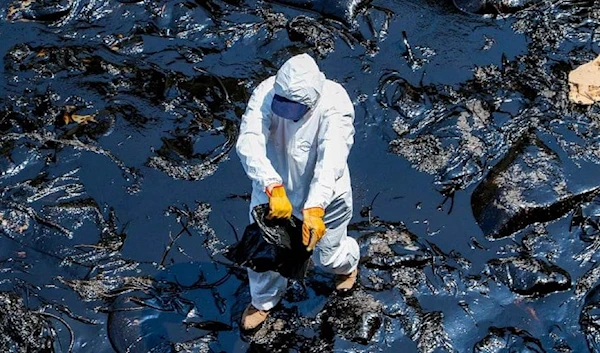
345,283
252,318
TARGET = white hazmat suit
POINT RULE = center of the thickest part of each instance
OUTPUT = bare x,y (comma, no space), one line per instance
308,156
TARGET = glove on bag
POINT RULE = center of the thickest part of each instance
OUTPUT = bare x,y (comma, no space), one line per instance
313,227
279,205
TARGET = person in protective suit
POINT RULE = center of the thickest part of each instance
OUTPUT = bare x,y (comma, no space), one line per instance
295,137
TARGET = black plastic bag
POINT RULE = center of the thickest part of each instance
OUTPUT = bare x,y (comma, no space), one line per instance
272,245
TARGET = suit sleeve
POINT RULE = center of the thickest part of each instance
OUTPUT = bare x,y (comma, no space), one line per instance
335,139
251,145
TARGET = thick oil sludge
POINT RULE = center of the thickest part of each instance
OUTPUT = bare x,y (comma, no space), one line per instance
476,201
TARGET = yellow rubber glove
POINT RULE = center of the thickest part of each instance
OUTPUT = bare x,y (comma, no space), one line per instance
279,204
313,227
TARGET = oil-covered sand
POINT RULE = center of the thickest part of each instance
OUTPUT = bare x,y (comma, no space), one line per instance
475,178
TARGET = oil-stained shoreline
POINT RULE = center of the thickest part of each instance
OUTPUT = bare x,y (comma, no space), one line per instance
474,176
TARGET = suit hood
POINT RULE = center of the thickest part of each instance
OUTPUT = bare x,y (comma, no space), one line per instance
299,79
